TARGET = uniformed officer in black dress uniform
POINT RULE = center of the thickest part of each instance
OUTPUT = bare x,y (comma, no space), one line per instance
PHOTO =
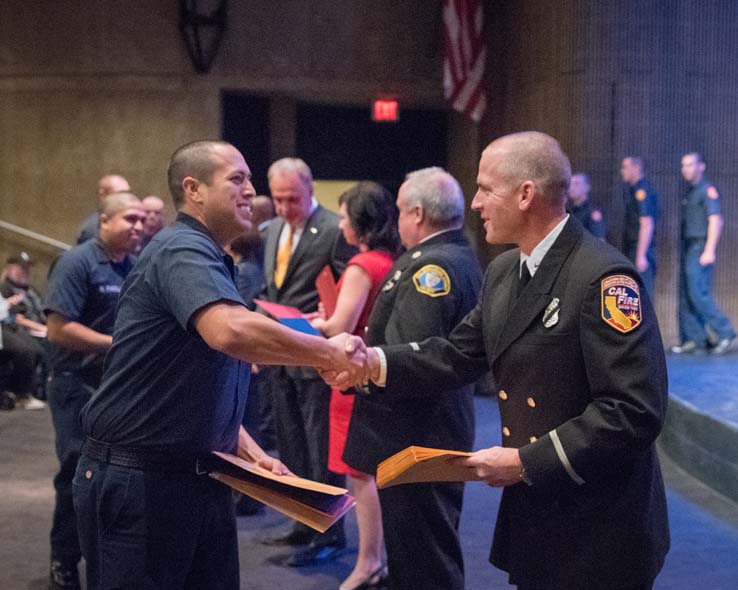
84,284
641,216
580,206
578,359
174,390
702,223
426,293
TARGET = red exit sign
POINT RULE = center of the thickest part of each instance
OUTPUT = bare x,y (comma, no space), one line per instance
384,110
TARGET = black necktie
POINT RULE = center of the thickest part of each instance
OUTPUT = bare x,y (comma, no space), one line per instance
524,278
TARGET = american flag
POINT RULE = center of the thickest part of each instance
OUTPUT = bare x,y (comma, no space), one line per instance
464,56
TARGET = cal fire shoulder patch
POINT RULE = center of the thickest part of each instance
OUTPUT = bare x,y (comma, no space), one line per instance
621,303
432,280
712,193
640,195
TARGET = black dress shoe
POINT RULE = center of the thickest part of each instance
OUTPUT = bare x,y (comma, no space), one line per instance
63,576
317,552
294,537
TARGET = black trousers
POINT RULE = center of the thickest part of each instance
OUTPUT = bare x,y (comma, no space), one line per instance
20,349
151,531
421,525
301,422
67,393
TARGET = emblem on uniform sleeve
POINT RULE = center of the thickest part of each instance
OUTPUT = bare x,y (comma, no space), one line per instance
432,280
621,303
640,195
712,193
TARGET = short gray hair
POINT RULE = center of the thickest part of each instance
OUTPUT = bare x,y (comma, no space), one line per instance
287,165
438,193
536,156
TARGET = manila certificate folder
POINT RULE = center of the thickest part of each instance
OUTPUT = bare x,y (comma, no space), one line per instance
422,465
314,504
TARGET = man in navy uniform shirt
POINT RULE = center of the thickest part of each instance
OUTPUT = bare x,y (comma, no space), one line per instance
702,223
107,185
174,390
580,206
575,350
641,215
83,291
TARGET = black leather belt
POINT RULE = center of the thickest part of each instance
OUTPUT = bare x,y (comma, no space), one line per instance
143,459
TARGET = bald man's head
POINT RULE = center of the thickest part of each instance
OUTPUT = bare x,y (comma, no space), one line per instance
534,156
154,209
111,183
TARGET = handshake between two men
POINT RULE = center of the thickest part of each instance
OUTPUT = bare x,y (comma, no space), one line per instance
359,365
497,466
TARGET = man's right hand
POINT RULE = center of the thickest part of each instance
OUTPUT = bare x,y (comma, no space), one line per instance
344,379
347,362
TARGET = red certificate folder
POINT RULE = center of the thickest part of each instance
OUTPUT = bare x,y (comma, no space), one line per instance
327,290
278,310
288,316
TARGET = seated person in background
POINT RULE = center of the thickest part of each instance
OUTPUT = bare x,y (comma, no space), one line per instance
14,280
368,220
19,358
28,314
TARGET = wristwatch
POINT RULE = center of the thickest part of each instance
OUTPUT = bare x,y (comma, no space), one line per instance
524,476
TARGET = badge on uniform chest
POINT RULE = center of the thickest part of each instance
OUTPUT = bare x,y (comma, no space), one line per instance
551,314
391,283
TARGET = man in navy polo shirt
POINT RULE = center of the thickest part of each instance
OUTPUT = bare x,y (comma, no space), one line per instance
641,215
174,390
83,291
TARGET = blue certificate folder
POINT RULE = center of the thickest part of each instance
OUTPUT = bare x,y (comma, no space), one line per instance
300,324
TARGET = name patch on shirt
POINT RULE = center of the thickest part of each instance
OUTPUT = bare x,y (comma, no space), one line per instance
432,280
621,303
109,288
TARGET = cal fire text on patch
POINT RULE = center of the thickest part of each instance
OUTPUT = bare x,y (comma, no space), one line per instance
621,303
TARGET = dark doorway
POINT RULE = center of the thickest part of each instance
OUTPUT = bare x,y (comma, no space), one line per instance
246,125
340,142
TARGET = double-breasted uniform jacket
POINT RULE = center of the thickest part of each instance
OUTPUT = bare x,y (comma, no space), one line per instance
579,363
321,244
428,416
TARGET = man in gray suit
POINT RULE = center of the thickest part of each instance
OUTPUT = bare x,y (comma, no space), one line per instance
299,243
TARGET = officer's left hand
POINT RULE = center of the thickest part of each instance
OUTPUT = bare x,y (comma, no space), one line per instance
496,466
707,258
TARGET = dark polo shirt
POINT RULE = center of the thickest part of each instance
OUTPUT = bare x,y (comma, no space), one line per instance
84,284
163,387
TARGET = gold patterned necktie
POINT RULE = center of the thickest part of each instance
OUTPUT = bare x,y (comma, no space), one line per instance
283,260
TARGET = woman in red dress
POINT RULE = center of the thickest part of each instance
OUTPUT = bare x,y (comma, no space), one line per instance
368,220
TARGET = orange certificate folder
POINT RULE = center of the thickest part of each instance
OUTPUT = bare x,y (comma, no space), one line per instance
422,465
314,504
327,290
